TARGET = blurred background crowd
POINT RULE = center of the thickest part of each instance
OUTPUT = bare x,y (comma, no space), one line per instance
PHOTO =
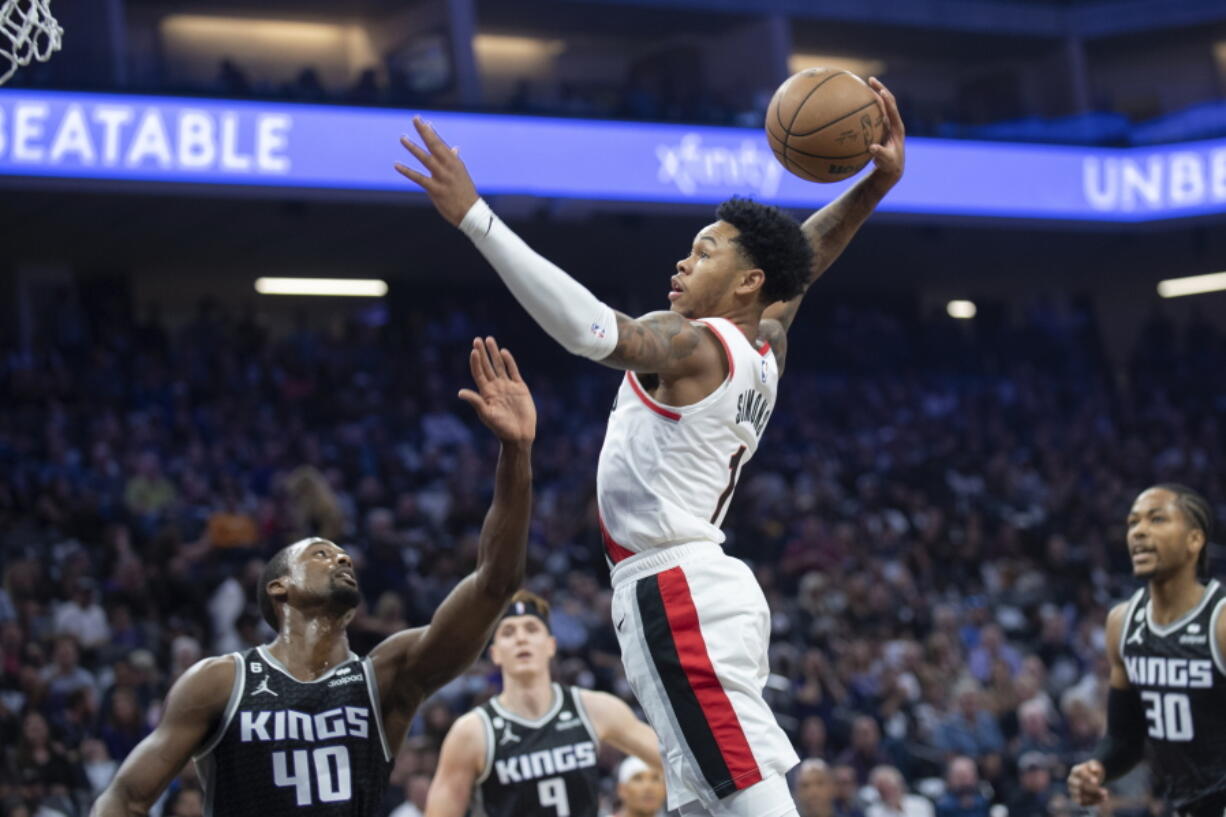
936,517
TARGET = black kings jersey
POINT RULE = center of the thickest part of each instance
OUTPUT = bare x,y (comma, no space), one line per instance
1179,672
540,768
288,747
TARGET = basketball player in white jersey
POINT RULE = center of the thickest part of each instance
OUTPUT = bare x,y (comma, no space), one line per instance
700,383
531,751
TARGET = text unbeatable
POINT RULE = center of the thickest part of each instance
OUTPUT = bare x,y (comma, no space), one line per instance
142,136
1157,182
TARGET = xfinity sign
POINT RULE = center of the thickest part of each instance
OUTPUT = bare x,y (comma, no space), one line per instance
121,139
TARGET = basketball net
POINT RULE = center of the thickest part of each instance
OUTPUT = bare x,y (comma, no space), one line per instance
27,32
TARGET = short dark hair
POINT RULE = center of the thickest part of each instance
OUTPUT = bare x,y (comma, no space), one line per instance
1198,512
277,567
772,241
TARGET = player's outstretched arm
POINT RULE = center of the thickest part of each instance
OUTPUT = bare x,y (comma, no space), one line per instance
426,658
616,725
194,707
563,307
1123,746
460,763
831,228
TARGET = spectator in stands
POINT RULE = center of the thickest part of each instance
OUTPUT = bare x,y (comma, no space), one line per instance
123,724
865,752
813,789
962,797
640,789
992,648
186,801
65,675
846,792
892,797
1036,787
82,617
1035,732
149,491
969,729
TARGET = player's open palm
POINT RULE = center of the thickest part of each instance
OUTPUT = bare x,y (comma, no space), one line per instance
891,155
502,399
449,186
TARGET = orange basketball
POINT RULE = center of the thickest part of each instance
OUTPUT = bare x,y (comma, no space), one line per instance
820,123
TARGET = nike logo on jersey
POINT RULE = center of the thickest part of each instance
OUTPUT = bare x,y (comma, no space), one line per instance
545,763
263,689
289,724
1180,673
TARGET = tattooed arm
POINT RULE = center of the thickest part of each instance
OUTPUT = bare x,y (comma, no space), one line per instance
665,343
831,228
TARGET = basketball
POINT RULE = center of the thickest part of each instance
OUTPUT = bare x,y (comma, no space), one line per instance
820,123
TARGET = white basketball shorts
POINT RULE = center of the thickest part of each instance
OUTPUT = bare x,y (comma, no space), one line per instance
694,629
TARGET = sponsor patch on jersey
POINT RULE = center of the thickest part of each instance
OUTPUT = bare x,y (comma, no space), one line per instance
346,679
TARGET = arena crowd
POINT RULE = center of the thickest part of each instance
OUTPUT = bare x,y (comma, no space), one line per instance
936,516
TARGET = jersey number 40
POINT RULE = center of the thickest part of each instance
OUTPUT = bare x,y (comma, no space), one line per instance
331,774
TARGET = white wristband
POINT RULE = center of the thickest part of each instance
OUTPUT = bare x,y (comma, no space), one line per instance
563,307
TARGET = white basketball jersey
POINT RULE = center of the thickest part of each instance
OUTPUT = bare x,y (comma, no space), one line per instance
667,473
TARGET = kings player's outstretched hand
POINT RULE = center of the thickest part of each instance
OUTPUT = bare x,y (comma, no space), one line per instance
448,184
502,399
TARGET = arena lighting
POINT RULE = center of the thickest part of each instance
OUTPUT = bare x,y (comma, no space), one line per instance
349,287
862,66
962,310
1192,285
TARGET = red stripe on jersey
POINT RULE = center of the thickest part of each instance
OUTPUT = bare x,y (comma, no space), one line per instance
763,349
724,343
647,401
616,552
692,650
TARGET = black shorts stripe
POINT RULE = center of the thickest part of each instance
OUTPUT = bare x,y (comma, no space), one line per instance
695,730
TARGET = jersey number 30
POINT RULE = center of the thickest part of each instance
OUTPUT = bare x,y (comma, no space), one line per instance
1169,715
331,767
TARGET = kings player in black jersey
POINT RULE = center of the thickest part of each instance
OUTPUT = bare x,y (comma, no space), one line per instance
531,751
302,726
1166,646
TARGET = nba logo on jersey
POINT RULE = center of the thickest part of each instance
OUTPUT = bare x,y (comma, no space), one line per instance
763,370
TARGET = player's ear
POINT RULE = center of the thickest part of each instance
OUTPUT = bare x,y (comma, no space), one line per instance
1196,538
278,589
750,281
553,646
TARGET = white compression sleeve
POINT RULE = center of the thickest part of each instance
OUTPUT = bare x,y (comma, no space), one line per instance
564,308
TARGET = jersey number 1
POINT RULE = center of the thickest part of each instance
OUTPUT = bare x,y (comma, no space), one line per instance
332,777
734,471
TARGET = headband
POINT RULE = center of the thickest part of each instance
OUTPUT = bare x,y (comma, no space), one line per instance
527,608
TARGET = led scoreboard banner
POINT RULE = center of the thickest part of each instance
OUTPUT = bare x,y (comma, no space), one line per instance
123,138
